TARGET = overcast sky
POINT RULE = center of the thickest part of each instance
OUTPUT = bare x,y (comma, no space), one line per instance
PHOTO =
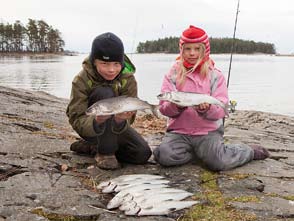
140,20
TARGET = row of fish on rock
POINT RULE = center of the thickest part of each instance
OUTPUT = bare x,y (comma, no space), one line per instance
115,105
145,194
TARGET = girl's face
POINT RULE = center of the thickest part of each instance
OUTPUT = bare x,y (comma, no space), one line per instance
192,52
108,70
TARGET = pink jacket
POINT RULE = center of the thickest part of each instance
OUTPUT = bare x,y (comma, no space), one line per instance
189,121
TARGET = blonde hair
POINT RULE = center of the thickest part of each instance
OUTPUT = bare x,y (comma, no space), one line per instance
183,71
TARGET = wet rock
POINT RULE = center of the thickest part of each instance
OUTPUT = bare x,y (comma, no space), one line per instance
40,177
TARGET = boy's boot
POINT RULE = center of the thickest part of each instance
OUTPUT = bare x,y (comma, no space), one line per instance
83,147
107,162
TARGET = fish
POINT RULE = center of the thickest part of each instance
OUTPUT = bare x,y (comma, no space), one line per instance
188,99
140,191
159,209
152,199
145,194
128,178
121,186
120,104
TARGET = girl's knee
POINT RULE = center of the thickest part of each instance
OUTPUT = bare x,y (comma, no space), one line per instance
215,166
216,163
161,156
221,164
165,157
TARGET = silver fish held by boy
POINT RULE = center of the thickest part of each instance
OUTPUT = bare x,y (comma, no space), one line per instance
120,104
188,99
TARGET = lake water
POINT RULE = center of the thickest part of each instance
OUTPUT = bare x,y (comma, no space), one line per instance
257,82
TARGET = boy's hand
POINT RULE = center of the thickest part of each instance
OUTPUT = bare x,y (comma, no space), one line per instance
102,119
119,118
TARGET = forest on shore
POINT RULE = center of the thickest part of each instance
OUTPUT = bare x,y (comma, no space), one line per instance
217,46
36,36
39,37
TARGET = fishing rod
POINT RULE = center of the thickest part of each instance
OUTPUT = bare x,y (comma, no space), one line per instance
232,103
134,37
233,45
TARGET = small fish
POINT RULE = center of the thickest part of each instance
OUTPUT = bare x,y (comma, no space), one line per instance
156,199
120,104
187,99
140,191
119,187
128,178
160,209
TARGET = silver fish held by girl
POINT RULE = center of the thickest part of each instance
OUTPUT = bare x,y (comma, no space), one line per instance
188,99
120,104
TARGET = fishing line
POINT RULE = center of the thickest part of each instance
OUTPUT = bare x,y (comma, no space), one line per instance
232,102
233,45
134,37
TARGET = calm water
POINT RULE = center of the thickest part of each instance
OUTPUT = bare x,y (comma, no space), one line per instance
257,82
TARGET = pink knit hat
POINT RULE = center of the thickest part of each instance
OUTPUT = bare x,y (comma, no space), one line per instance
195,35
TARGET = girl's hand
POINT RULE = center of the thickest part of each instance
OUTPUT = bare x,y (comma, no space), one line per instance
119,118
102,119
202,107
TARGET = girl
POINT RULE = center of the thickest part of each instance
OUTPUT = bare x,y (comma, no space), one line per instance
197,132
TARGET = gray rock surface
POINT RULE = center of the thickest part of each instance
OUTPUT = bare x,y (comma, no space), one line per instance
41,179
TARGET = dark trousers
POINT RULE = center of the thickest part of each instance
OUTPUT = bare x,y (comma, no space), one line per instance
129,146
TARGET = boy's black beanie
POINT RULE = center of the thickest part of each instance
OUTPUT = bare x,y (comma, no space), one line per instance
107,47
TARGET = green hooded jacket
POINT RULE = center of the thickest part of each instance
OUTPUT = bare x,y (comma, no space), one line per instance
88,80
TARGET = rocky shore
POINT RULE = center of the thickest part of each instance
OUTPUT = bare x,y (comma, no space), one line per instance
41,179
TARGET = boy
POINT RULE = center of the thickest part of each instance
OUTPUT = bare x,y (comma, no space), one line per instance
106,73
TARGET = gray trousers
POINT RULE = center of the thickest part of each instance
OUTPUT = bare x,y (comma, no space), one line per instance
178,149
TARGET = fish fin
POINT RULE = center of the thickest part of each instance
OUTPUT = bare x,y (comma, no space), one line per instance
172,209
176,101
155,110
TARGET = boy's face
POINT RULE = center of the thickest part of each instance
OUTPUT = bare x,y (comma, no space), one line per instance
108,70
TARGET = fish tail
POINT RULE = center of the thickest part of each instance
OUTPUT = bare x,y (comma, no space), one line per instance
227,109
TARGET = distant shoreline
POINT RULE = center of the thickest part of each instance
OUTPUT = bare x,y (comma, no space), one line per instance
285,55
38,54
69,53
280,55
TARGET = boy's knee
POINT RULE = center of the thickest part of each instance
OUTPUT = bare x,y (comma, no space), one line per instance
143,155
